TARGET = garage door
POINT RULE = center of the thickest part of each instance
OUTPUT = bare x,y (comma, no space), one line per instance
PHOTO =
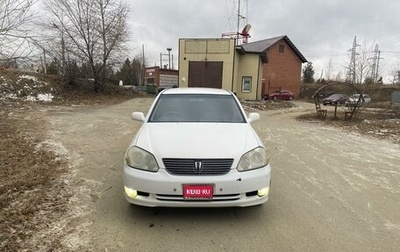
205,74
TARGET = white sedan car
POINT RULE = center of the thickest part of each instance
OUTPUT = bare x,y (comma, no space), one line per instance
196,148
357,99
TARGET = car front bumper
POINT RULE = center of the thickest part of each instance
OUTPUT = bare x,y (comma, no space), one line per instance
161,189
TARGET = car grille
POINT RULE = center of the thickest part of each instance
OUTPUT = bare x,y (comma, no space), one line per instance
177,198
180,166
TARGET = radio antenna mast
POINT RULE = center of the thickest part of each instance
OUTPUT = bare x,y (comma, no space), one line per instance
240,34
238,23
239,17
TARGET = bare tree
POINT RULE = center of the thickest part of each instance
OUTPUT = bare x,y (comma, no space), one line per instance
92,30
363,65
14,17
395,74
329,68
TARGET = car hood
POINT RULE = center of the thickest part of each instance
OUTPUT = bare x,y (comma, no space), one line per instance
197,140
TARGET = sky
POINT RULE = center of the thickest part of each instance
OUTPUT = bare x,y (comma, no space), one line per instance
323,30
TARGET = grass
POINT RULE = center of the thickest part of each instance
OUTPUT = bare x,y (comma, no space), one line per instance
29,183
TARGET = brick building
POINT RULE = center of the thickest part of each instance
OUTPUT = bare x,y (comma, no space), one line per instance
160,76
282,71
250,70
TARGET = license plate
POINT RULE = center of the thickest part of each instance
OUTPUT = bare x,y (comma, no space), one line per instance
198,191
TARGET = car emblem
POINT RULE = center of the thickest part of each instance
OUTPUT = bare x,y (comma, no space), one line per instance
197,166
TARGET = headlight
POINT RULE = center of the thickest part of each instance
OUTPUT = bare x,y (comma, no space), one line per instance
253,159
140,159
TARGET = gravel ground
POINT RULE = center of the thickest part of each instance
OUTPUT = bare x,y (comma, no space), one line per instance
38,192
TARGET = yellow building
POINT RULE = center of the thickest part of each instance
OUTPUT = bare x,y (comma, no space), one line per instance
219,63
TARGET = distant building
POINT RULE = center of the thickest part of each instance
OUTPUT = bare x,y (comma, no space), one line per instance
250,70
283,69
159,76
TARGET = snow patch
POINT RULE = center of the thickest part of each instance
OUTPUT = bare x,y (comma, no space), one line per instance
29,77
57,147
31,98
45,97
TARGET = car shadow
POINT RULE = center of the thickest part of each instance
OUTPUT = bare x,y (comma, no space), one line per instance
161,216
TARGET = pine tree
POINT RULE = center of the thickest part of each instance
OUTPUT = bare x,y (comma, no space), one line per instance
125,73
308,73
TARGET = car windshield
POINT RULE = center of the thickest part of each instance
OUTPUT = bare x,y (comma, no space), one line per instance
196,108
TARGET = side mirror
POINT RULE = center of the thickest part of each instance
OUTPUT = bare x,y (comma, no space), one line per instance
138,116
253,117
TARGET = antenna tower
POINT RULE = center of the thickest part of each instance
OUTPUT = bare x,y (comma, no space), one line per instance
240,34
240,17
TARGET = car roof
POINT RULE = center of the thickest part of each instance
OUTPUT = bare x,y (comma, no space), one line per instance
196,90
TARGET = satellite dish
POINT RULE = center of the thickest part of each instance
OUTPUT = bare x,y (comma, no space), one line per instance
246,29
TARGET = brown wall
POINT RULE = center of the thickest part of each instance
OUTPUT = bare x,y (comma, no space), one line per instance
283,70
158,74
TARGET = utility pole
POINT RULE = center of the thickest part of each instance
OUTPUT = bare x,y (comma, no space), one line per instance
44,62
143,67
351,73
398,78
374,60
377,66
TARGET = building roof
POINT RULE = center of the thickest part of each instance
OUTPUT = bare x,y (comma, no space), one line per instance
263,45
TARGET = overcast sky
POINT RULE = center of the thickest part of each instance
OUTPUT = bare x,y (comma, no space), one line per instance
323,30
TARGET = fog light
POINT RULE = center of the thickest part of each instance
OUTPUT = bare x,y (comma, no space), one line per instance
263,192
130,192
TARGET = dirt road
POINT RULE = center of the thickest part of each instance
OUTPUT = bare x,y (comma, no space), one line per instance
331,190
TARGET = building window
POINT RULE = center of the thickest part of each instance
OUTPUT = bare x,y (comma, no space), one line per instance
281,48
246,84
149,80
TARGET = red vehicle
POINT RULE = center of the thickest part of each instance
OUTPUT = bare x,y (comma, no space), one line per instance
281,95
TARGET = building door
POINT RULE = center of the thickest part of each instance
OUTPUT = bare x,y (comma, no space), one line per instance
205,74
